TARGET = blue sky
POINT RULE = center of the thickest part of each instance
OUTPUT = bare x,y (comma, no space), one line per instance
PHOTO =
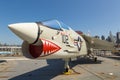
96,16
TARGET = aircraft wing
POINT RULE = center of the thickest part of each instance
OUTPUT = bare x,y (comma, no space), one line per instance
97,43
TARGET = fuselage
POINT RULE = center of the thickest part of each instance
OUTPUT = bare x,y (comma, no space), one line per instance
49,39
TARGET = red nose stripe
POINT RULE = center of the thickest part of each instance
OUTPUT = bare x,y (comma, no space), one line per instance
49,47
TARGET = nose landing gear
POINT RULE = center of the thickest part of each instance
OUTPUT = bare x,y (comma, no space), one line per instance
69,71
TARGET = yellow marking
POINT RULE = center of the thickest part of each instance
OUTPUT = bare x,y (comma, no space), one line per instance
71,72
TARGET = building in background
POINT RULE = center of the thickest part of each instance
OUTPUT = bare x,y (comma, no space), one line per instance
118,38
10,50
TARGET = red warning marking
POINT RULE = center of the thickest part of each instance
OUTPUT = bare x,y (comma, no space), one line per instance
44,49
49,47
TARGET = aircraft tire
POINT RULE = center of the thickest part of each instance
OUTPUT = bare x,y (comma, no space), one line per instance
95,59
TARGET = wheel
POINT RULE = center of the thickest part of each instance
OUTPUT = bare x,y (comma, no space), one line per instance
95,59
66,70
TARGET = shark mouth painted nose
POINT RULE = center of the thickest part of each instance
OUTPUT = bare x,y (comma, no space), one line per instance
46,48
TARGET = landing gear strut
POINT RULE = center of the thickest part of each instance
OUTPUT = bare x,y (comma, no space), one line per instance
69,71
91,55
67,67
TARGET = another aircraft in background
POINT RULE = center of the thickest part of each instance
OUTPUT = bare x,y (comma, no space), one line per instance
53,39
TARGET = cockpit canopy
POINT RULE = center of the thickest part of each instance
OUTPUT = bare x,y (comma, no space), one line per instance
55,24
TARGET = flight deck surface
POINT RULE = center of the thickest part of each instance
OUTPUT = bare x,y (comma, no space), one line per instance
19,68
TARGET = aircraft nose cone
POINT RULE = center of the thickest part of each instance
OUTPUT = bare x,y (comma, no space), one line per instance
26,31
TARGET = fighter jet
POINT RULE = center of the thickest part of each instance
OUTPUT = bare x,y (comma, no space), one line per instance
50,39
